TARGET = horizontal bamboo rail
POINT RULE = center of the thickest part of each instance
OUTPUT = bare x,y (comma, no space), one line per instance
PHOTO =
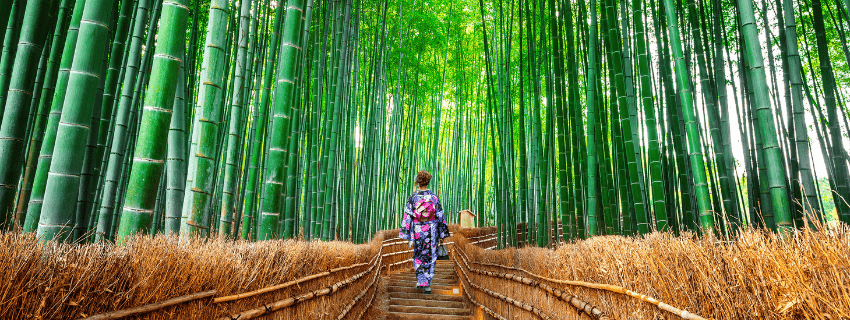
402,241
151,307
360,296
483,307
280,304
684,314
485,240
399,263
290,283
504,298
372,299
577,303
397,253
390,239
481,236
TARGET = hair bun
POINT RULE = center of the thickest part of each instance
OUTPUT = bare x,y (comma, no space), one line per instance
423,178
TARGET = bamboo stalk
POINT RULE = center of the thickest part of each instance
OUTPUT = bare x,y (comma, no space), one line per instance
151,307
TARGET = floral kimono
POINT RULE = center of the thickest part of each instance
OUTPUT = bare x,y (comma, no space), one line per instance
425,233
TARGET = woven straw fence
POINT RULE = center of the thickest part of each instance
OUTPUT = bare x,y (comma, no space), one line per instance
756,275
63,281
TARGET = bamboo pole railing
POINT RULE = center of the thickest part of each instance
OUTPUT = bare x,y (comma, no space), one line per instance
397,253
483,307
151,307
577,303
487,235
684,314
484,240
280,304
291,283
368,305
360,296
502,297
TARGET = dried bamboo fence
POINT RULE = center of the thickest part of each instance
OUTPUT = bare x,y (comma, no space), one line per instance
757,275
168,278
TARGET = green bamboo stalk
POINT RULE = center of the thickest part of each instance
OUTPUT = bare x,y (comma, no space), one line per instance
57,103
644,78
117,53
124,114
236,127
38,131
685,95
774,161
175,185
10,45
5,14
592,117
63,180
810,204
839,162
257,147
149,155
18,102
200,178
273,176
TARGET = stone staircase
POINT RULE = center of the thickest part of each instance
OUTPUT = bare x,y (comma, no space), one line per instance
446,302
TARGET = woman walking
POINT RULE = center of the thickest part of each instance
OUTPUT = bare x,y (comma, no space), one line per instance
424,226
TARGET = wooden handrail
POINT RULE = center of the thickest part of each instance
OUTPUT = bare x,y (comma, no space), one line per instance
280,304
372,299
290,283
684,314
151,307
573,300
491,312
502,297
360,296
399,252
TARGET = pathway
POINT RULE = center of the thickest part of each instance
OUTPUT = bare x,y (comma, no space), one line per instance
446,302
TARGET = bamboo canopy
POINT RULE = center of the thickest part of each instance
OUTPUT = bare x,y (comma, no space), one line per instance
267,119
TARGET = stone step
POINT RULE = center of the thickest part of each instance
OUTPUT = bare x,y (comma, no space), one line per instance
437,270
425,302
437,274
439,266
433,286
423,316
412,283
437,277
419,295
451,279
412,289
445,274
430,310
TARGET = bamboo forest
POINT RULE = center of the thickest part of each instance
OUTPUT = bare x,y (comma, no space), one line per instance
641,141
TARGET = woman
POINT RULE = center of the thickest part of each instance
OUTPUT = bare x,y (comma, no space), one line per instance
424,226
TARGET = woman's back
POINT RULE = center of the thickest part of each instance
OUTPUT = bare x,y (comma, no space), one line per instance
424,225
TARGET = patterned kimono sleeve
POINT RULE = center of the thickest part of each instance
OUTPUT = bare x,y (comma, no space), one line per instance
407,222
442,227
